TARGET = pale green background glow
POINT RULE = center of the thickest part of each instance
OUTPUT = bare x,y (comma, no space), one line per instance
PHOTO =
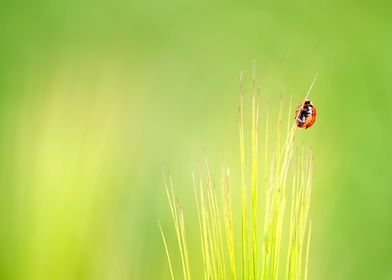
97,96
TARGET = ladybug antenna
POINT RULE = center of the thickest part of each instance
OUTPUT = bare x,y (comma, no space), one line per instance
311,86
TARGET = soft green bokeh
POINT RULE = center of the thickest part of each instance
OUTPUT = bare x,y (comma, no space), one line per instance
95,97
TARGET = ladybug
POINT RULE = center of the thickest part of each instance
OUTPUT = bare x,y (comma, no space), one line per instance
305,115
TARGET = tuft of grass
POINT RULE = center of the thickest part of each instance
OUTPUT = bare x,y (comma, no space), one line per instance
285,171
179,226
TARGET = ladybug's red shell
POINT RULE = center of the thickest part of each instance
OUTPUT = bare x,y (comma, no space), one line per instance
305,115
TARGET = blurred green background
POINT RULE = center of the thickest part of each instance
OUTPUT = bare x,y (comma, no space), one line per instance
97,96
